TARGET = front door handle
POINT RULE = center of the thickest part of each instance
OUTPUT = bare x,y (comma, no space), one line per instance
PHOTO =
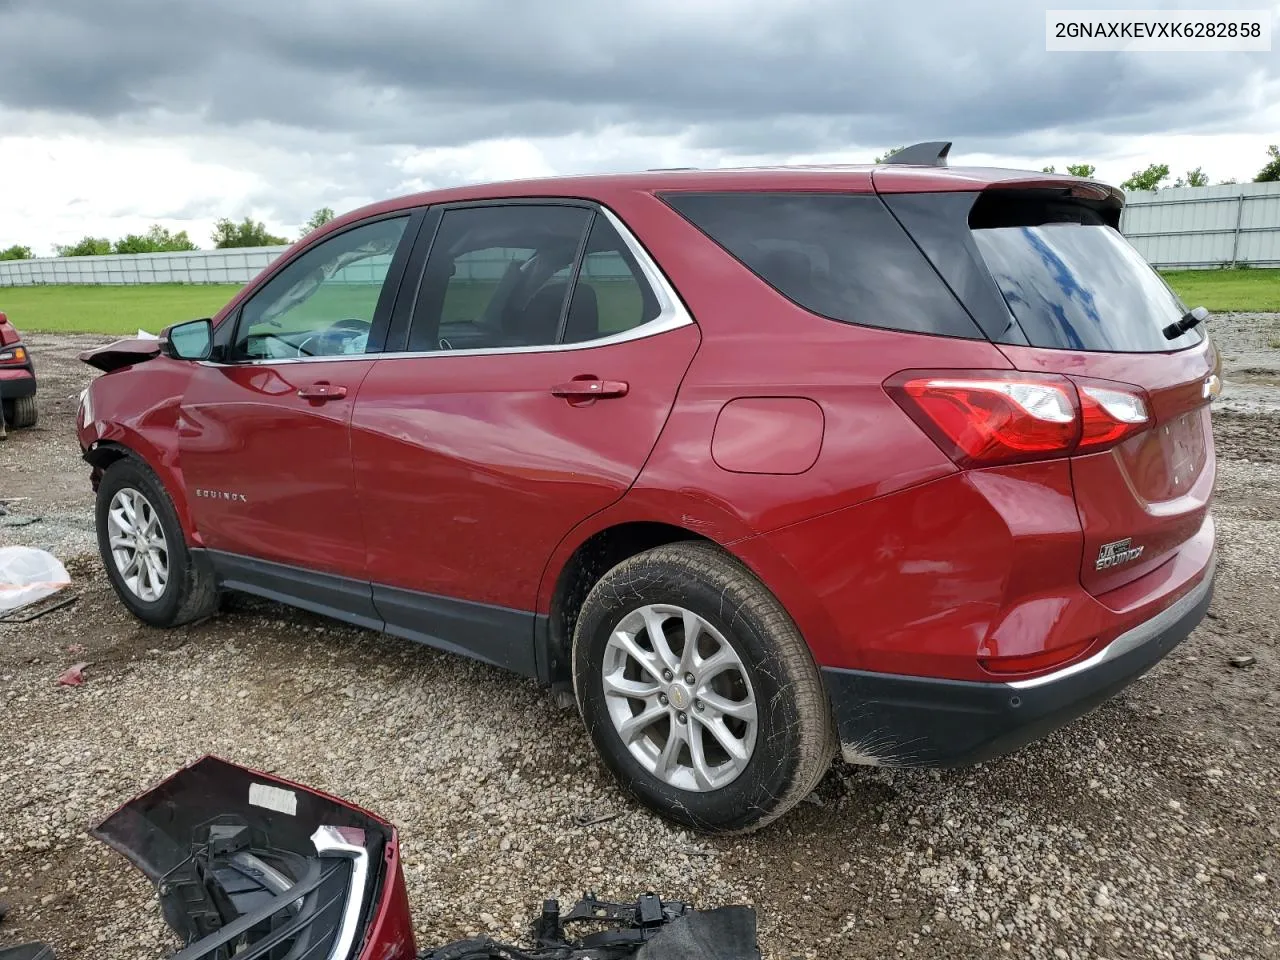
590,388
320,392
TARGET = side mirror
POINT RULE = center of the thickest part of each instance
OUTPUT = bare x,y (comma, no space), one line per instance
192,340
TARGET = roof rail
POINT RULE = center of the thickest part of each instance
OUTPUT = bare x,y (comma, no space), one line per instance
930,154
668,169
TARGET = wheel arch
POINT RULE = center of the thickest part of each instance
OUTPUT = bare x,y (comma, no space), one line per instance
102,453
584,565
614,535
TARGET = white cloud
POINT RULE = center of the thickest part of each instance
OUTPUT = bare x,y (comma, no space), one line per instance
116,115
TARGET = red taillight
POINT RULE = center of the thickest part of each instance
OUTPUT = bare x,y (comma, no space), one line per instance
982,418
1030,663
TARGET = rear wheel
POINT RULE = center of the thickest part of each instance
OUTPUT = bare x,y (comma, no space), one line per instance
143,550
21,412
698,691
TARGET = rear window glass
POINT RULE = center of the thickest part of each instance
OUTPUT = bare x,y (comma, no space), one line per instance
1081,286
839,255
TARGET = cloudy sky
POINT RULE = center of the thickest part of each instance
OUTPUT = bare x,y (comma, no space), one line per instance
115,114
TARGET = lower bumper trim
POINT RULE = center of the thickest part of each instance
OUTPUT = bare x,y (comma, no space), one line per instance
897,720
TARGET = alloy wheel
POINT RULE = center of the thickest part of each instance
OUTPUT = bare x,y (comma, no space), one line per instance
138,545
680,697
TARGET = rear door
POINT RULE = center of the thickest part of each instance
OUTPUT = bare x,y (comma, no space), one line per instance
542,358
1071,296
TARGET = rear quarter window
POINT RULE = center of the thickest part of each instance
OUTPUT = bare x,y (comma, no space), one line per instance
842,256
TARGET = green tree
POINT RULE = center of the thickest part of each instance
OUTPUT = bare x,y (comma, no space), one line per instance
1148,179
1194,178
1271,172
86,247
1081,169
1223,183
1049,169
247,233
16,252
318,220
156,240
887,154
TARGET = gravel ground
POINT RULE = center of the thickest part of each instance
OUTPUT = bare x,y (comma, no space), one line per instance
1149,829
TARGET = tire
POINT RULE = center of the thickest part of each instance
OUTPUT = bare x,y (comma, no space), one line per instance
793,742
189,590
21,412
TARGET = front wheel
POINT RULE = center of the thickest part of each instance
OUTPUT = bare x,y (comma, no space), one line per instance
144,552
698,691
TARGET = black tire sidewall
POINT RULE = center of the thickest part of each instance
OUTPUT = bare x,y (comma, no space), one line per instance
772,767
130,473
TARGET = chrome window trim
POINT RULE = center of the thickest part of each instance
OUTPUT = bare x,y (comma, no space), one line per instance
672,316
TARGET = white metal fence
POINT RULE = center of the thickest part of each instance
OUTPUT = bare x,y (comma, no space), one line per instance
1189,227
242,265
1177,228
196,266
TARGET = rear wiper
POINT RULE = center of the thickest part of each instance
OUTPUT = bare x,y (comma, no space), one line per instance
1189,319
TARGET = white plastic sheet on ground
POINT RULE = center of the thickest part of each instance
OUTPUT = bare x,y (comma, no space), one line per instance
28,575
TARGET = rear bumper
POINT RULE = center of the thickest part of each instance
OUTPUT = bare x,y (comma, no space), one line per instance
16,382
897,720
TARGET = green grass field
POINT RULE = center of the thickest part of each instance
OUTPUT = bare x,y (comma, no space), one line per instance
122,310
110,310
1237,291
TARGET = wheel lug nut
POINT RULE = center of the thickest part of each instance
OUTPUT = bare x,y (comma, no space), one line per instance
690,679
697,705
682,717
662,699
667,674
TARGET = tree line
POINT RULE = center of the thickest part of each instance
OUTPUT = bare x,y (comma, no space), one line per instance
1155,175
227,234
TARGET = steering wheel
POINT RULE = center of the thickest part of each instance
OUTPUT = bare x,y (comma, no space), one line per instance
340,332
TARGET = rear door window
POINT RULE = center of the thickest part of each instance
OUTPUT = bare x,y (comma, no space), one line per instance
498,277
842,256
612,295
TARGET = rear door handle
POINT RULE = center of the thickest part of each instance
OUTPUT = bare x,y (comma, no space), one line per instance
590,388
320,392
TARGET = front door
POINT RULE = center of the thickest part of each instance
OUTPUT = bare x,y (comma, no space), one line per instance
264,437
543,357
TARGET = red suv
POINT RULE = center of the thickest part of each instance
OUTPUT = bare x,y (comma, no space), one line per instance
909,461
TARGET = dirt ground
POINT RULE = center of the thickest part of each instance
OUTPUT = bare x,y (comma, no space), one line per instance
1149,829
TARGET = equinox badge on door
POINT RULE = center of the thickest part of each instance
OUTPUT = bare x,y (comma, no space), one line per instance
1113,554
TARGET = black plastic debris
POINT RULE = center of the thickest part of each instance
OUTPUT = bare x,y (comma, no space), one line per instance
648,929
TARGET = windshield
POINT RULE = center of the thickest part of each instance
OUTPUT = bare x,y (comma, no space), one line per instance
1082,287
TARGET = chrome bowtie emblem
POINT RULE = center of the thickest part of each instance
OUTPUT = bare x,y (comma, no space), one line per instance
1116,553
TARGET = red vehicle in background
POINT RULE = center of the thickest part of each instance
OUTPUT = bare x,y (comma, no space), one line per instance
17,378
907,461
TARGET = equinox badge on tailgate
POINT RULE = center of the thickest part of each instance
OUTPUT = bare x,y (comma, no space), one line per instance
1114,554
